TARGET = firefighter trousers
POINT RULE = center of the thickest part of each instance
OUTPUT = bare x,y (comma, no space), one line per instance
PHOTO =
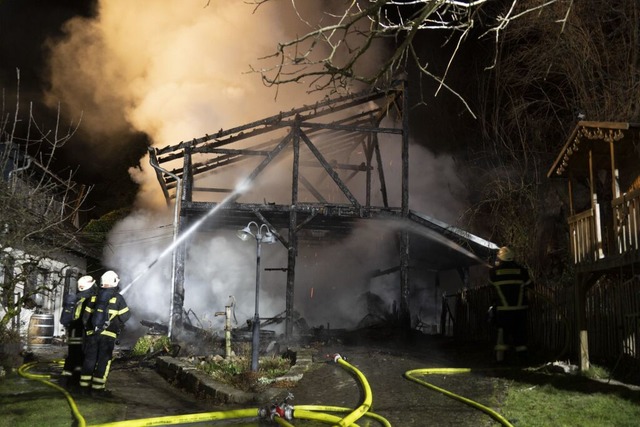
98,352
75,356
512,332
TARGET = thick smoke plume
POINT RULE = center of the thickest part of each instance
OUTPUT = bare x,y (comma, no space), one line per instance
179,70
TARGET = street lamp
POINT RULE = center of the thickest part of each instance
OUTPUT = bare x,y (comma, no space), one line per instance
268,238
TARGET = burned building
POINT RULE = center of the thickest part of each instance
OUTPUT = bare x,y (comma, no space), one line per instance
311,176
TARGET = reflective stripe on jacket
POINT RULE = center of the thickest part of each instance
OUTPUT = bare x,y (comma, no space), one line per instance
117,314
510,280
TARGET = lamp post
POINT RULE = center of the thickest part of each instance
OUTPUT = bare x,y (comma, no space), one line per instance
268,238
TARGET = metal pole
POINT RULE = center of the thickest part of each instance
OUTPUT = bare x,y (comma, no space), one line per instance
255,343
227,332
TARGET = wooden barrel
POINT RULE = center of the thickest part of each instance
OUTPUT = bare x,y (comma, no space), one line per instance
40,331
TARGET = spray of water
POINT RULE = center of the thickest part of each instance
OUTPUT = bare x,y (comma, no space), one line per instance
432,235
241,188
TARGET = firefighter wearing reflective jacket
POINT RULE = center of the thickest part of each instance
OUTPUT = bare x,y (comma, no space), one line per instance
511,281
104,319
71,318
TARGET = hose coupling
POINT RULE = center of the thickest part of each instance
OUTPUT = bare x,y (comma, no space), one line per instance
337,356
283,410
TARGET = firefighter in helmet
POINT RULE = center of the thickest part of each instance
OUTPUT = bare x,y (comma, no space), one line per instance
104,319
511,282
71,318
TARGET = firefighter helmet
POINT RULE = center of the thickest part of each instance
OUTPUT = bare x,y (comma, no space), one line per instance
85,282
110,279
505,254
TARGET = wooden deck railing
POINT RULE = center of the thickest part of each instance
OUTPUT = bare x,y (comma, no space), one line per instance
586,237
626,217
588,231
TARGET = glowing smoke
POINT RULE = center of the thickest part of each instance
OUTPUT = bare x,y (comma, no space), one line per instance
178,70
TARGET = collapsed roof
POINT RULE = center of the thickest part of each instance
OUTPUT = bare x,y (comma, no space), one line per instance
313,174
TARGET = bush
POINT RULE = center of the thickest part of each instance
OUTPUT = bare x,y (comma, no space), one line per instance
10,350
150,344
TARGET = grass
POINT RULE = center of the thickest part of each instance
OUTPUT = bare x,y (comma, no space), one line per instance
27,403
536,399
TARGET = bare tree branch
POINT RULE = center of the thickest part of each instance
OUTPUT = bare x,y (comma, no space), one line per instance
333,55
38,209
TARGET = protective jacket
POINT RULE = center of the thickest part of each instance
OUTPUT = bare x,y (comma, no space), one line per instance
511,281
106,313
73,309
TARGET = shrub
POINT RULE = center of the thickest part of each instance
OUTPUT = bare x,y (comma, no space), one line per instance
151,343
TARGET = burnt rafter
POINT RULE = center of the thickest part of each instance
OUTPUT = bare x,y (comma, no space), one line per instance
349,123
330,171
278,121
338,143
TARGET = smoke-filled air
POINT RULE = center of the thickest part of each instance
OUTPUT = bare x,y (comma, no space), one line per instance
177,71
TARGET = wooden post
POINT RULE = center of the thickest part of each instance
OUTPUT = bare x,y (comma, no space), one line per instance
292,249
581,321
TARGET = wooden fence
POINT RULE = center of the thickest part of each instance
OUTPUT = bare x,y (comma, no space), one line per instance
613,322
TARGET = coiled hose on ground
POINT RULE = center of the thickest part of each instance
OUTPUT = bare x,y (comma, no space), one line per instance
281,414
308,412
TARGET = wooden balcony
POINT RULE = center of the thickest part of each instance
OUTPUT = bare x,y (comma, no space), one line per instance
626,215
600,242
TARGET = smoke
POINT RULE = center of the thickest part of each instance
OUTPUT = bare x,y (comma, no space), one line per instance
179,70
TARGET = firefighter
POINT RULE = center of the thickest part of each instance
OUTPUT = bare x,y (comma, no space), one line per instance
511,281
104,318
71,319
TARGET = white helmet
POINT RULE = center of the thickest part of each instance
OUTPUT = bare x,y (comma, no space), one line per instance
109,279
85,282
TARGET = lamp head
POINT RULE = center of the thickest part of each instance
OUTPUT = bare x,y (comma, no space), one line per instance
245,234
268,238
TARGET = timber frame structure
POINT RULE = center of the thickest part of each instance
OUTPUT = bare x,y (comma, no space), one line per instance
335,144
600,161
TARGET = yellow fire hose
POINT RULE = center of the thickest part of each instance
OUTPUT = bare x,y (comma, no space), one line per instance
309,412
357,413
44,378
301,412
321,413
283,422
318,412
410,375
172,419
236,414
